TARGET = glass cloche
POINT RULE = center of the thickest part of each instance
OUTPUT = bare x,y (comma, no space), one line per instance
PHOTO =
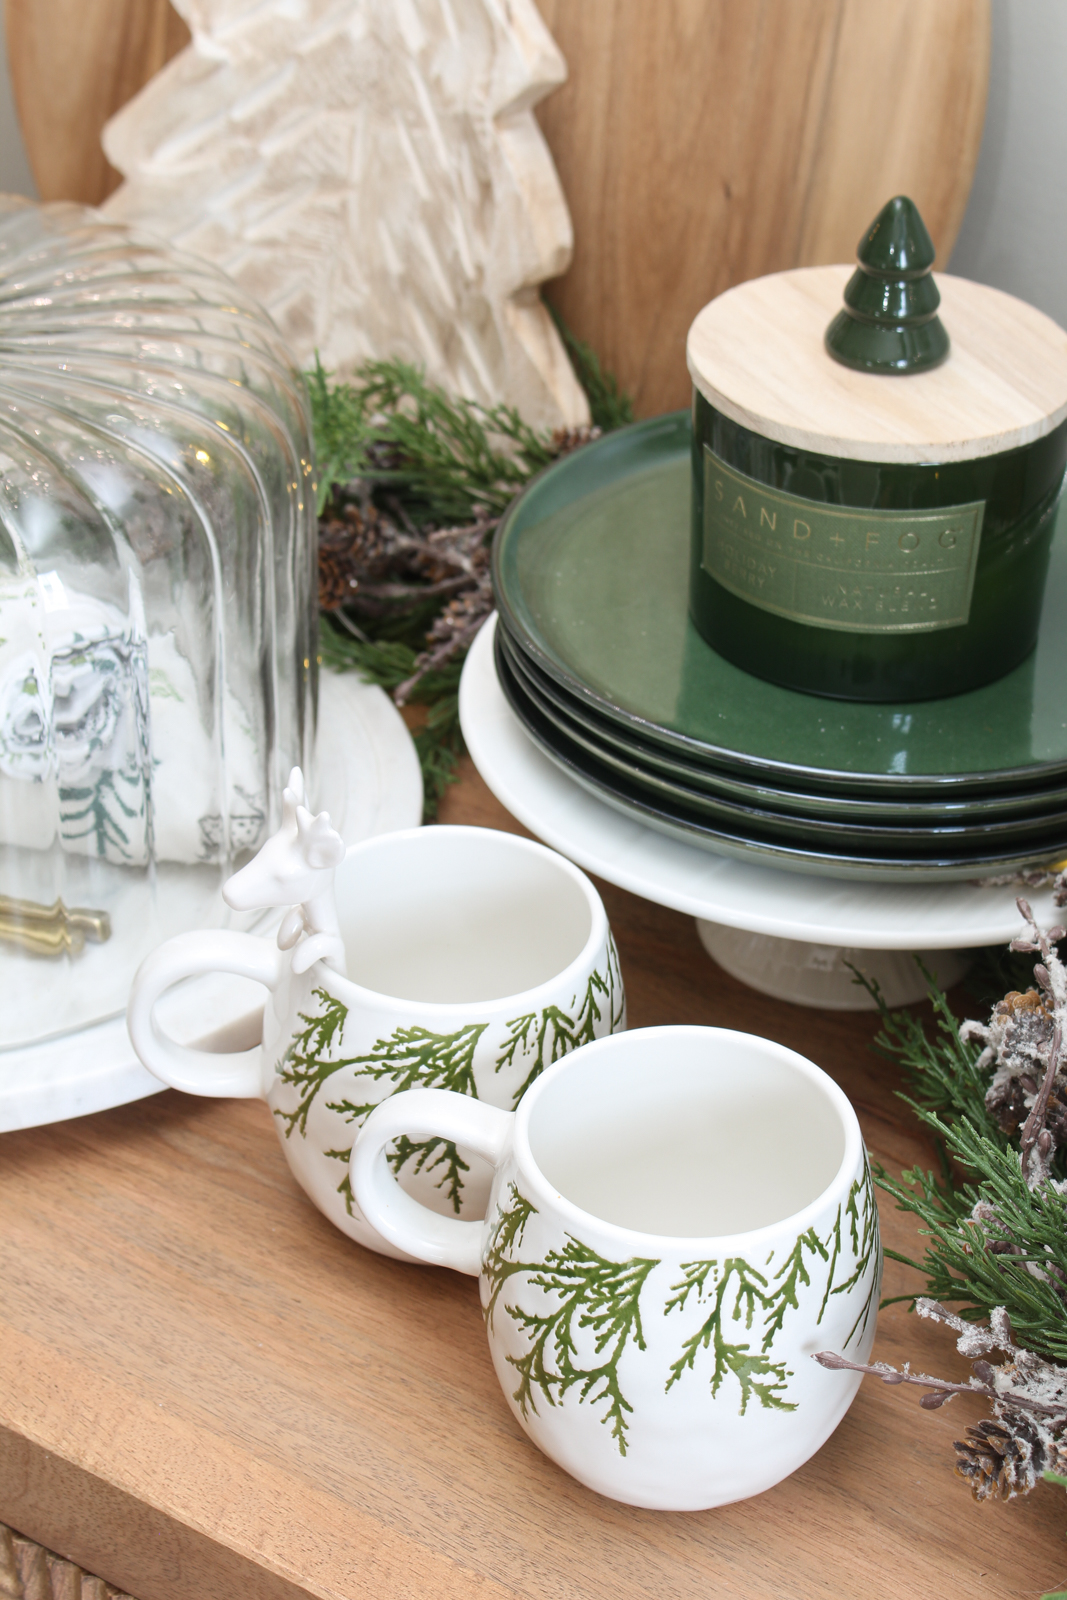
157,603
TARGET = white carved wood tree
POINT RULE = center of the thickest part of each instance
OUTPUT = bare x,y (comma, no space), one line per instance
371,171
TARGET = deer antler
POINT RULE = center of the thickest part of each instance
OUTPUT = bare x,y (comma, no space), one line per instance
320,843
293,796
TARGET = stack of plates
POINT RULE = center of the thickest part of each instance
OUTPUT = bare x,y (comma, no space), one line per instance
597,656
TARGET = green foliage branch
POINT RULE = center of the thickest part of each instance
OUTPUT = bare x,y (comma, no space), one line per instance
445,457
994,1217
986,1227
433,460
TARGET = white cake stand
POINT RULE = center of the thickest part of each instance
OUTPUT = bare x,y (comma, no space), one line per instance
785,933
369,781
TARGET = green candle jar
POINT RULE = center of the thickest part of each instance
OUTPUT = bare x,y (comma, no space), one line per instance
863,534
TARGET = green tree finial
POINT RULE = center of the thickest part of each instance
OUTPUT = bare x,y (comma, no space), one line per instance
889,322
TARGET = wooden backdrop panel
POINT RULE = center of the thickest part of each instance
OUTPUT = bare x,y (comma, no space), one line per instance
73,64
703,142
700,142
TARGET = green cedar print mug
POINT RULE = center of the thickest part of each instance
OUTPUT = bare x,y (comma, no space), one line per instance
680,1218
477,959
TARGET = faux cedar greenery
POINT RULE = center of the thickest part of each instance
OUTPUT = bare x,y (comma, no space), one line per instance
412,483
994,1217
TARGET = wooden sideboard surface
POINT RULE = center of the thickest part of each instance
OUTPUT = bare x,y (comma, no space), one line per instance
206,1392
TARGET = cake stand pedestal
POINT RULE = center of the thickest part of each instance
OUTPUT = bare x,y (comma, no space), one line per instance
751,919
824,975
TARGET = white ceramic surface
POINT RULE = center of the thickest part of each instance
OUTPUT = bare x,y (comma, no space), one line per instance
656,1269
737,894
369,781
822,974
476,958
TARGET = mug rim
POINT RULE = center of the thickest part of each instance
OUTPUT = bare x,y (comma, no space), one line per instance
853,1156
378,999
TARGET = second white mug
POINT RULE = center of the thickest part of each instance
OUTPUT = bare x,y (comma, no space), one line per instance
681,1217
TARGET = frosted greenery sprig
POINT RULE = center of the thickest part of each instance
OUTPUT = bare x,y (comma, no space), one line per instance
994,1094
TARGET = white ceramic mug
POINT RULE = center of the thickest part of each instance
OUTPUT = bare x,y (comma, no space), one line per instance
680,1218
481,958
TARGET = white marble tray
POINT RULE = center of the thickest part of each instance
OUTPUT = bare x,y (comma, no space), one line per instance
369,781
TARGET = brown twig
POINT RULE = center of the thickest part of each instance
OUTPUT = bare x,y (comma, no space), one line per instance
414,591
441,654
941,1389
1035,1136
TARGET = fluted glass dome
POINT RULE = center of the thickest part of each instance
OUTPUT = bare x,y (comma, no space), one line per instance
157,603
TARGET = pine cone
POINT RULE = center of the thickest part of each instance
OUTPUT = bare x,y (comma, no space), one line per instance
1016,1001
564,440
337,571
1001,1457
357,547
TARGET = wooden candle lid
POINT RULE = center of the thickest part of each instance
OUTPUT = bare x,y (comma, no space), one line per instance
757,354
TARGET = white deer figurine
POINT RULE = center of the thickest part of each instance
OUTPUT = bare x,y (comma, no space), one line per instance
296,865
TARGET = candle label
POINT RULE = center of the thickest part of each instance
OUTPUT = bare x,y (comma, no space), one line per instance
839,566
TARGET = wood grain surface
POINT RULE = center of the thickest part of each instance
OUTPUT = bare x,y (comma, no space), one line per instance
73,64
703,142
757,353
207,1392
700,142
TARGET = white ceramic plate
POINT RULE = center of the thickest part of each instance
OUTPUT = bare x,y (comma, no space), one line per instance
369,781
734,893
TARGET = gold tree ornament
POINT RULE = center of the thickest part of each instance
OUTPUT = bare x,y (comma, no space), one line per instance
372,173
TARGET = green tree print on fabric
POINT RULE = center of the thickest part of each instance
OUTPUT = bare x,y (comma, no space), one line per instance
591,1292
550,1034
99,812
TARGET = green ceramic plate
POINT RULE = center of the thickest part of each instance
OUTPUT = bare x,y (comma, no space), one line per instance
648,758
590,569
673,820
907,834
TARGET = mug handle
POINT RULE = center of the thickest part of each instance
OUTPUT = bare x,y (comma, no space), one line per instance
411,1227
238,1073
